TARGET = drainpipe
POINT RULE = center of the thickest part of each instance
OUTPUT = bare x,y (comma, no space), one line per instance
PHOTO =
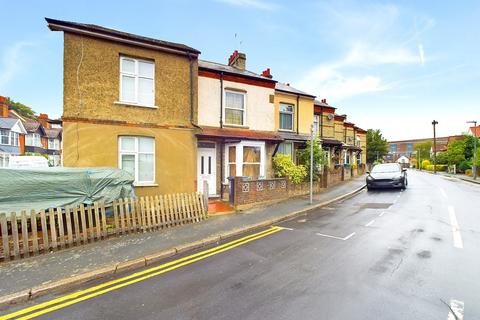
221,168
321,122
221,100
192,106
298,111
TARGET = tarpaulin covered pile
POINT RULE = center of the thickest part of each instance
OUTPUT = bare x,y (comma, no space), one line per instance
26,189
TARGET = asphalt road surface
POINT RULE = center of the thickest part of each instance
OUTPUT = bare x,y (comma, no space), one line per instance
392,254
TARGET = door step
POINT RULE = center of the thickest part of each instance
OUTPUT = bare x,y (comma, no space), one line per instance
216,207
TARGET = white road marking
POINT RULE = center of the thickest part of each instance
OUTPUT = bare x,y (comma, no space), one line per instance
457,238
334,237
370,223
457,307
381,214
443,193
285,228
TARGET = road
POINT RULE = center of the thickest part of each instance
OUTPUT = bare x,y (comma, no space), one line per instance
379,255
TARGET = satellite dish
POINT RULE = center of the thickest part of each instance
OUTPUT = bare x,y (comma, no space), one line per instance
330,116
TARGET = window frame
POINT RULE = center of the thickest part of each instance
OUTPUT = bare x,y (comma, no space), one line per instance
292,113
136,154
239,158
224,107
292,154
136,77
7,135
55,142
316,124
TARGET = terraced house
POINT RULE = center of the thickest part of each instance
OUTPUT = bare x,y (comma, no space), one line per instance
237,120
130,102
293,117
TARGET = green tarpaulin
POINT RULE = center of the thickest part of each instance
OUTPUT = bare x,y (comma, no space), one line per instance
26,189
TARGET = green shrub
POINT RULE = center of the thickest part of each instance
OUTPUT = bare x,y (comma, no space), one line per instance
284,167
425,164
440,167
464,166
469,172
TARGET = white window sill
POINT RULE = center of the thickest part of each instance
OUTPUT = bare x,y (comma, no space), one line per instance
286,130
132,104
145,184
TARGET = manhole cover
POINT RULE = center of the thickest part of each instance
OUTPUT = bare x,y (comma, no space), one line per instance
375,205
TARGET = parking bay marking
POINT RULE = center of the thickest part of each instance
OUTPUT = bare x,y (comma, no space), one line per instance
335,237
457,238
370,223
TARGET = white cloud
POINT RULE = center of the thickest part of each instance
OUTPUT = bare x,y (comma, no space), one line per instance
12,63
256,4
421,53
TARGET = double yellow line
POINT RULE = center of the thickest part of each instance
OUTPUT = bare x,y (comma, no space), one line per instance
65,301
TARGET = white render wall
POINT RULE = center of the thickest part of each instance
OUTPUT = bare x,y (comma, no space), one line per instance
260,112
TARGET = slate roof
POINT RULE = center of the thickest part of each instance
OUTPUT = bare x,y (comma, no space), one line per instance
7,123
60,25
219,67
31,125
289,89
52,133
294,136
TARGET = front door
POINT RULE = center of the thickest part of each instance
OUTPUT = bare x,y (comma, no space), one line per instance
207,168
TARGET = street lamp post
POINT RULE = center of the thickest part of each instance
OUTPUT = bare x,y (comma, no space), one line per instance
474,148
311,163
434,123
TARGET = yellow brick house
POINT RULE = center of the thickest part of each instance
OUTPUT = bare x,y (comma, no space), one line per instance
130,102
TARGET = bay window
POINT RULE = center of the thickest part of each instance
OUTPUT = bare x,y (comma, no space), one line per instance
286,148
9,138
246,158
53,144
137,156
33,140
137,81
286,117
234,108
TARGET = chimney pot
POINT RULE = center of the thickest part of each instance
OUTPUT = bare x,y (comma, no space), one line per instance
266,73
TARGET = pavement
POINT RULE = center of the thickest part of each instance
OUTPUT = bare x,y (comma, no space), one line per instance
461,177
386,254
37,275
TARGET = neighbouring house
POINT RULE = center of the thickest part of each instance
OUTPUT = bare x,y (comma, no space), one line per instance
361,142
237,118
12,134
130,102
36,142
475,131
406,148
324,118
293,117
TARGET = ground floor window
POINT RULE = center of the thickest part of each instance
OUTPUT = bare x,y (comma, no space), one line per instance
54,160
359,158
347,157
137,156
4,160
246,158
287,149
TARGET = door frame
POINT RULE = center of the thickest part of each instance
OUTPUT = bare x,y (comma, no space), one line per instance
214,150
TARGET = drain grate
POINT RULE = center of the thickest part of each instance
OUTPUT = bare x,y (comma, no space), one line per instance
375,205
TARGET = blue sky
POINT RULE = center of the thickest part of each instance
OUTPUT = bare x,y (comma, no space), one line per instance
395,66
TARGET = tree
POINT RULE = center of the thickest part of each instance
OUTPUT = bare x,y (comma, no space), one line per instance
423,150
377,145
318,157
456,152
442,158
20,108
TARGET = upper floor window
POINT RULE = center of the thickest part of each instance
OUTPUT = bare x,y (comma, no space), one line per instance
137,81
53,144
137,156
316,122
235,108
286,117
393,148
410,147
9,138
33,140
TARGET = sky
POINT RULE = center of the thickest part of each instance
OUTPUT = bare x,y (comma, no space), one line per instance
393,66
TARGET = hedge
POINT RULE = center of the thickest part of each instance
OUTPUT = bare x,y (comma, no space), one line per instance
440,167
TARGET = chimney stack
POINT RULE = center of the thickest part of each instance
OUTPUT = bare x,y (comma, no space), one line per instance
266,73
42,118
238,60
3,107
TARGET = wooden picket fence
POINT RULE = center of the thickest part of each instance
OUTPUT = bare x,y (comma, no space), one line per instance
26,234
